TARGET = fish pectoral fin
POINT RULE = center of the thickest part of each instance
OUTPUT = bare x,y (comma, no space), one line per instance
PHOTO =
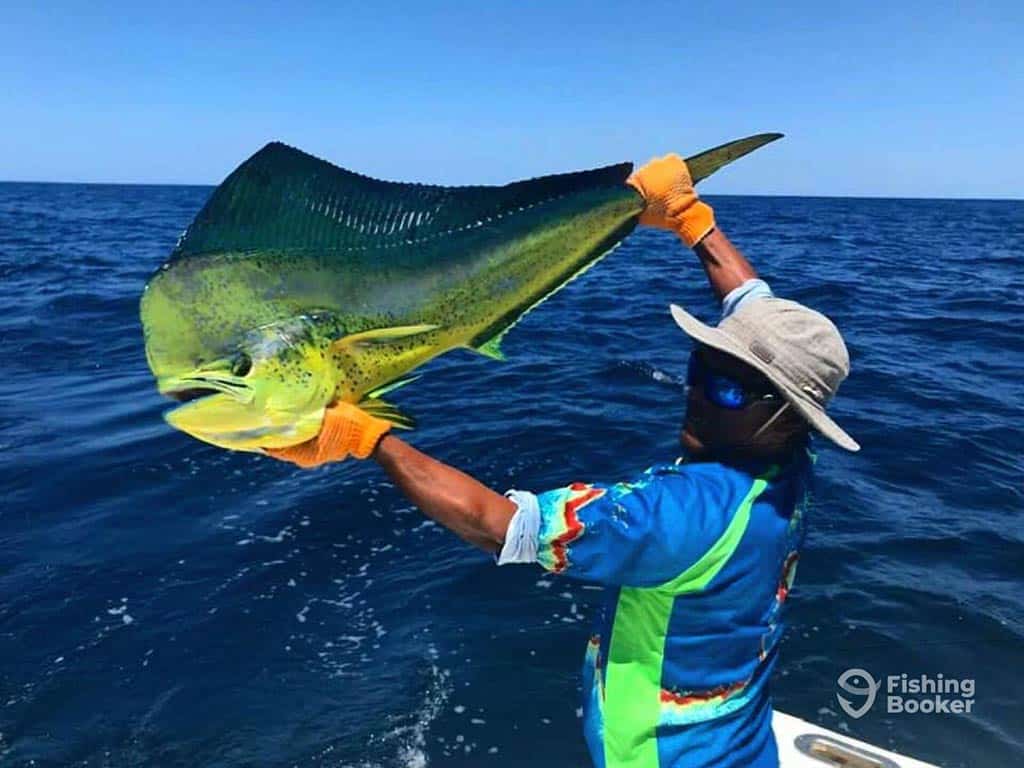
396,384
387,411
382,335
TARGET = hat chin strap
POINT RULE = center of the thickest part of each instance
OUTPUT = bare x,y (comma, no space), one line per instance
770,421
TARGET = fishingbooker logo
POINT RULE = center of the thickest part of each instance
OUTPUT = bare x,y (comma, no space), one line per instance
905,694
860,683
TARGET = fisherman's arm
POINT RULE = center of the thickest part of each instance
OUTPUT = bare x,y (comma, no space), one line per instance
454,499
631,533
727,269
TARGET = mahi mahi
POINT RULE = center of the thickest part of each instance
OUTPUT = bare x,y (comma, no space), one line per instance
300,284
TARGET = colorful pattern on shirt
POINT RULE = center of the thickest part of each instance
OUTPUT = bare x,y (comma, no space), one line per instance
699,559
561,525
681,708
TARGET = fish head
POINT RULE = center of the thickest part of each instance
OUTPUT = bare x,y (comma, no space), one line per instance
268,391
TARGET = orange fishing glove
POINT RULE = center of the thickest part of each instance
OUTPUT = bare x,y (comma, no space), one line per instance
346,430
672,202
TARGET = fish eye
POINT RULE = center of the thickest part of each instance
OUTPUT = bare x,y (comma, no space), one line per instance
242,365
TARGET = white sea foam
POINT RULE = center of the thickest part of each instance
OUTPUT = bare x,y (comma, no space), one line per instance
412,739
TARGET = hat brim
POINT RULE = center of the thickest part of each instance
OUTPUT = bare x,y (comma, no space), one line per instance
723,342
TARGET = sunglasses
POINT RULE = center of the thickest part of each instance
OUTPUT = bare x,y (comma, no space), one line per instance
724,391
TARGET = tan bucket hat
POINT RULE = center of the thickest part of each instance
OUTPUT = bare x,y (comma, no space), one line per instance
798,349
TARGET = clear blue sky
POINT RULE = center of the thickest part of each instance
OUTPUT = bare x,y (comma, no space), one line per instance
891,98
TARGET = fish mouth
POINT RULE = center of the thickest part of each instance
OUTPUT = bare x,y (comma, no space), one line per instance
214,408
188,395
219,409
186,389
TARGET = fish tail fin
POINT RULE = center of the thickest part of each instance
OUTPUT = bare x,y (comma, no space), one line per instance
707,162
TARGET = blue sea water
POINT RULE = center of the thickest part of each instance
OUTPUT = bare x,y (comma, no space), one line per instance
166,603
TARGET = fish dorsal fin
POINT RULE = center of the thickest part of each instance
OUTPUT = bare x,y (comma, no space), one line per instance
284,199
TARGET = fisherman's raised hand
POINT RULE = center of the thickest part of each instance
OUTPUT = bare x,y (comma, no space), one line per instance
346,430
672,202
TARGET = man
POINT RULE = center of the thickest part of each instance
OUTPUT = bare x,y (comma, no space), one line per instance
698,555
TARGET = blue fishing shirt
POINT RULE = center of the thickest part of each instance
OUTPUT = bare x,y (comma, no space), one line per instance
698,560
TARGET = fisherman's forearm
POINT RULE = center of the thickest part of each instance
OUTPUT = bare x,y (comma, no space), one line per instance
723,263
457,501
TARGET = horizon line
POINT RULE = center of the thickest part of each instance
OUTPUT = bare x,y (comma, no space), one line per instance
712,194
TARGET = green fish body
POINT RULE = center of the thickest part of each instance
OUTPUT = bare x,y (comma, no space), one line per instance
300,284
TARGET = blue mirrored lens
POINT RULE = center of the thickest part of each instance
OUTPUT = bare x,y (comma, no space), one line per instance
725,392
720,390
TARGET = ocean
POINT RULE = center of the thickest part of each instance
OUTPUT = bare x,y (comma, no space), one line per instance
167,603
